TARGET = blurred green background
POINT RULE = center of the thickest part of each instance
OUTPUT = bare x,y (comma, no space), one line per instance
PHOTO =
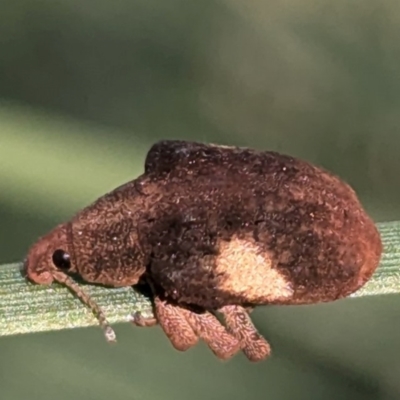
87,86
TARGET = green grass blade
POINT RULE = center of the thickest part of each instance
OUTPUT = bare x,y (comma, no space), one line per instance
26,308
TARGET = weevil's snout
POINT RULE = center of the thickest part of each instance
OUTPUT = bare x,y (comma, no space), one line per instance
47,255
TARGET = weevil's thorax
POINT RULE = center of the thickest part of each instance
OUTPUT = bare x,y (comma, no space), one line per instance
105,239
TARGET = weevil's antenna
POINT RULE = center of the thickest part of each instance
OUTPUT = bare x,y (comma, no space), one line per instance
88,301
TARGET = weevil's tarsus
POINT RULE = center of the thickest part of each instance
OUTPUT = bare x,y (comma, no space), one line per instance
208,328
239,324
89,302
175,325
138,319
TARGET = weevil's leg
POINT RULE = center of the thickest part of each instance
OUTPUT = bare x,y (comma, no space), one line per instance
170,318
175,325
238,322
214,334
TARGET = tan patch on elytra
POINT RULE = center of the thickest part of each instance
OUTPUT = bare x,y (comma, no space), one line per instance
245,270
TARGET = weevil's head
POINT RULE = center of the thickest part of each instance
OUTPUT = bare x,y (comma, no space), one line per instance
48,257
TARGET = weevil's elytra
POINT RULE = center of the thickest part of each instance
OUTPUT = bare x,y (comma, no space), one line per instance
217,230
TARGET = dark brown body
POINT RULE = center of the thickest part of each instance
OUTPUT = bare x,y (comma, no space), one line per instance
210,227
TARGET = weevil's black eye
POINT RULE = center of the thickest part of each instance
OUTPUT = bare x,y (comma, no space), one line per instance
61,259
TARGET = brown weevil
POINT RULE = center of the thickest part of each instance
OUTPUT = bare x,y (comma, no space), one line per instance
215,231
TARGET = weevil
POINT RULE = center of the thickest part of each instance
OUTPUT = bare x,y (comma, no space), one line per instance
214,231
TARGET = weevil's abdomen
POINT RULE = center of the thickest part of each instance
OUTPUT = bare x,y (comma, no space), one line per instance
328,247
241,226
303,266
306,265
